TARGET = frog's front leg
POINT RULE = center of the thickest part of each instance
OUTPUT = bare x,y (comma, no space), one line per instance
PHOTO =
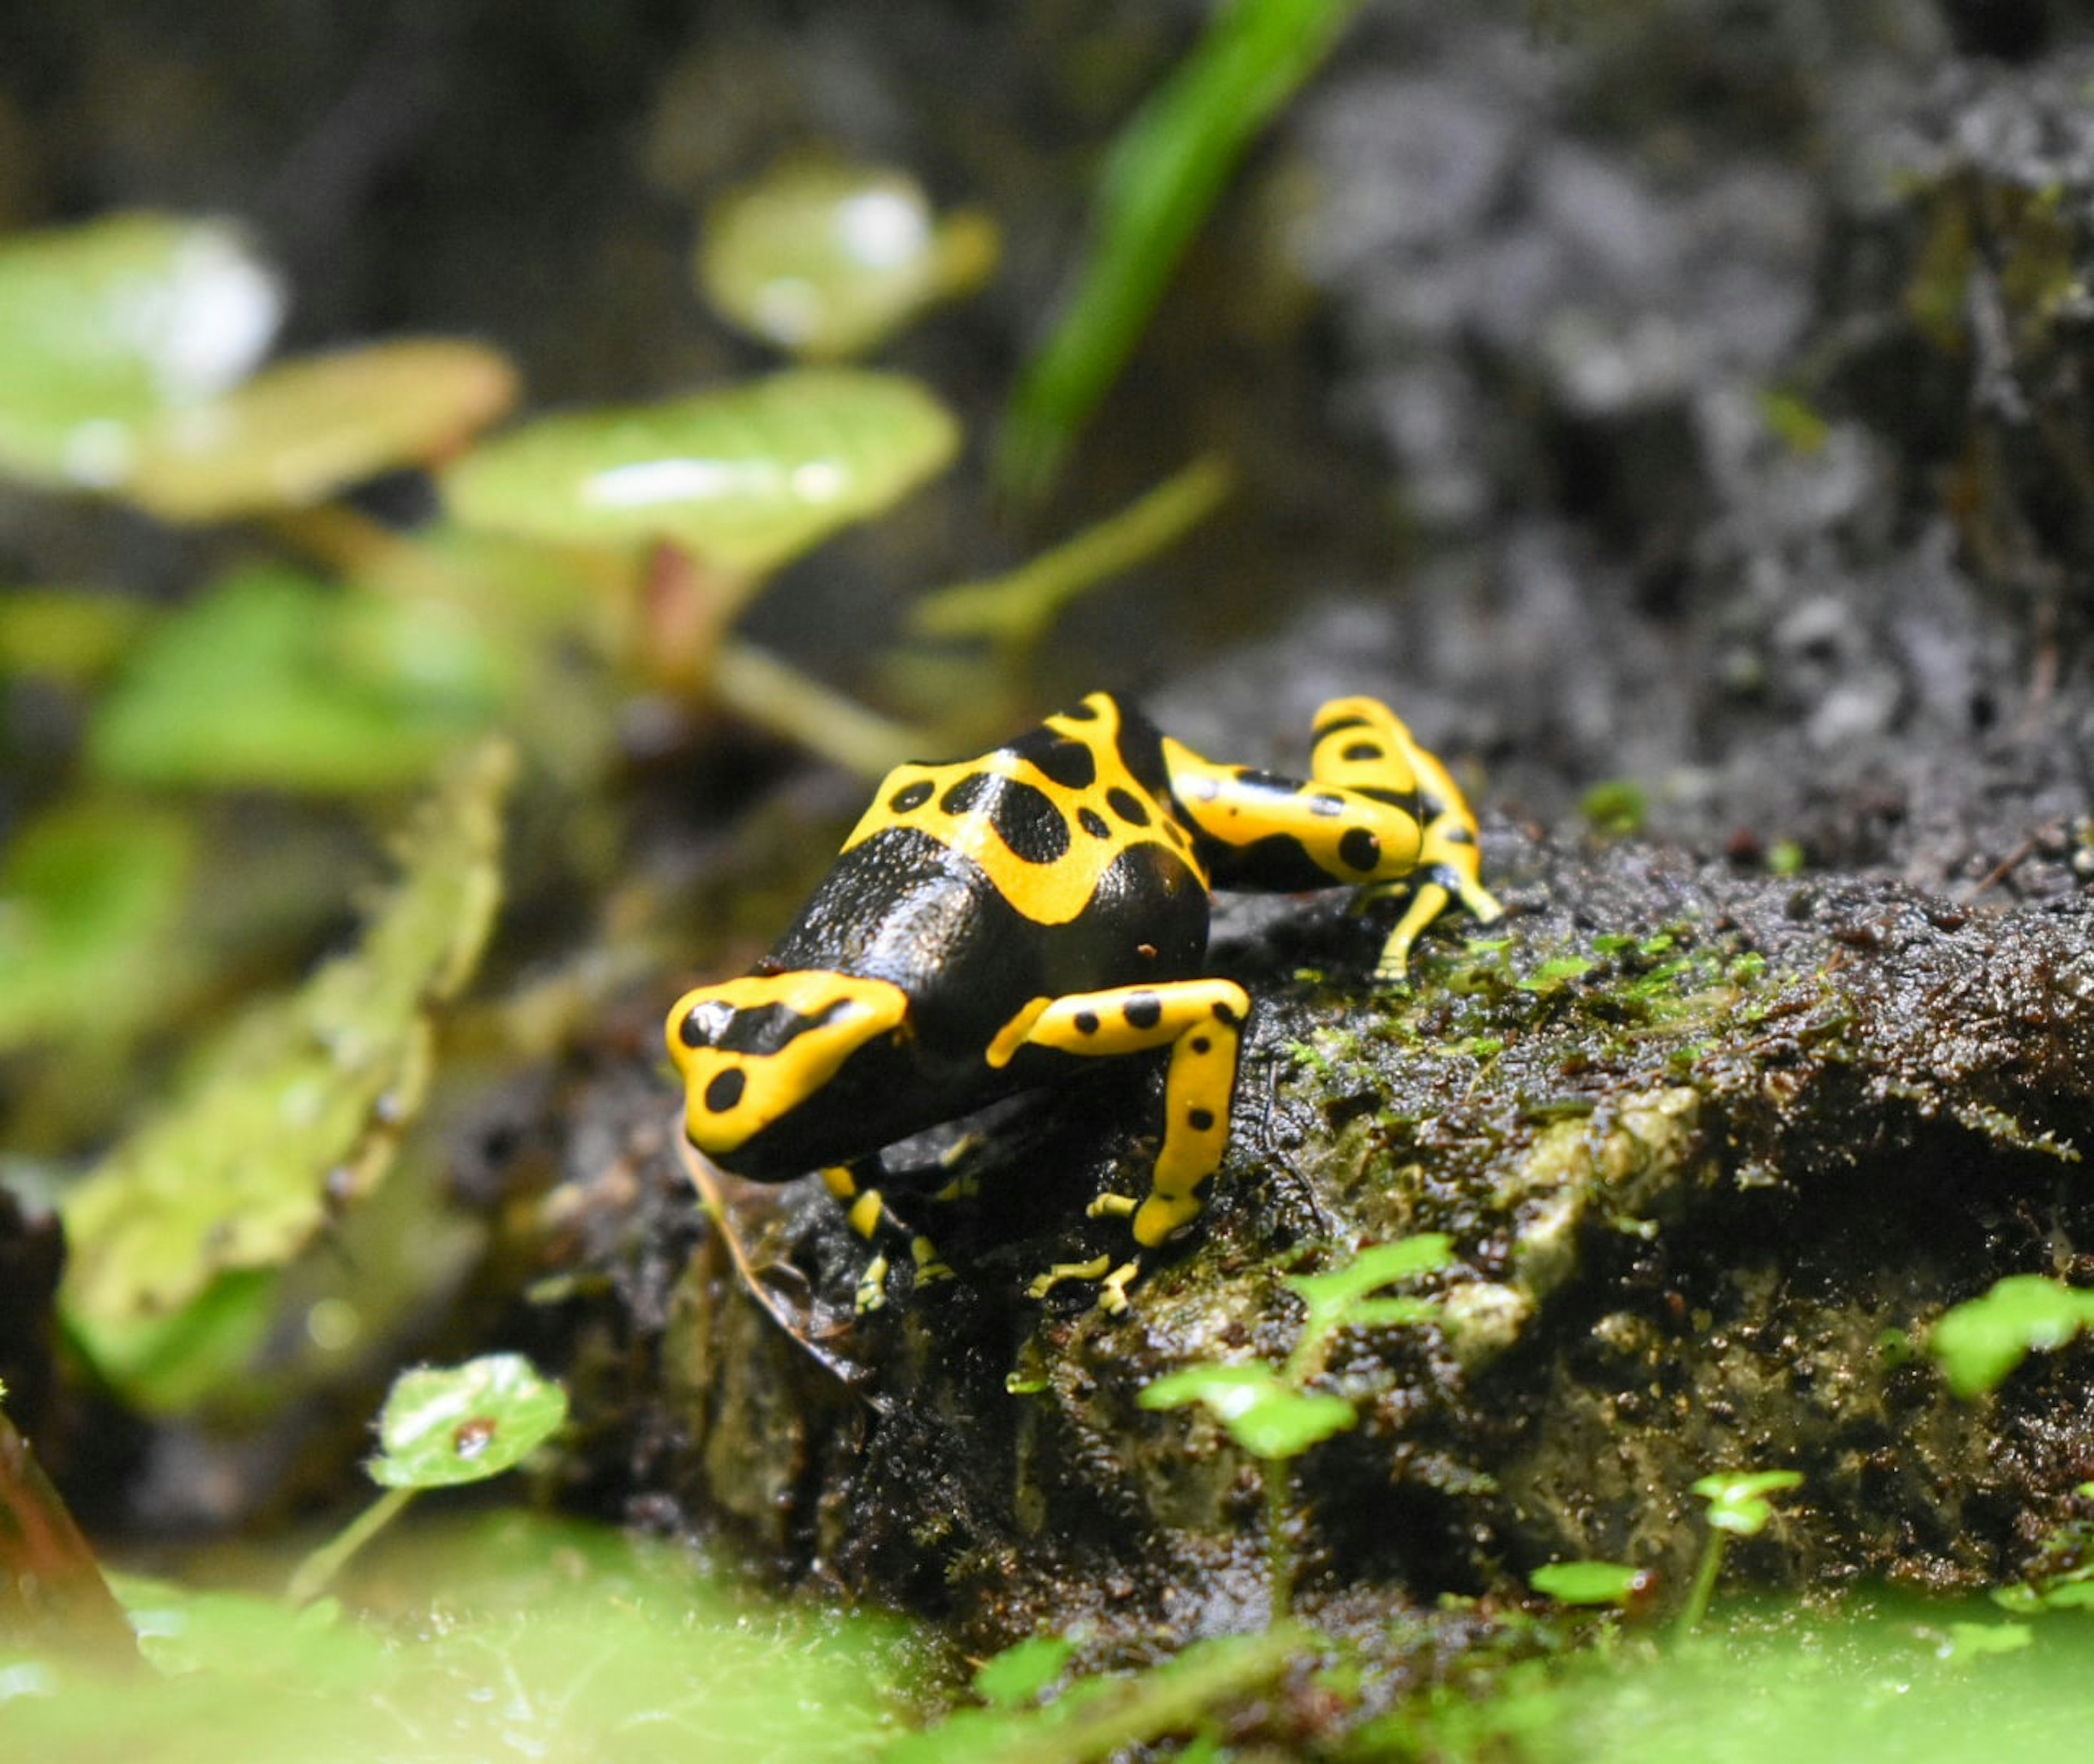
1364,746
1201,1021
867,1211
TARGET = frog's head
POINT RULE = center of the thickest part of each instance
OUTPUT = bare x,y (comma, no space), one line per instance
773,1065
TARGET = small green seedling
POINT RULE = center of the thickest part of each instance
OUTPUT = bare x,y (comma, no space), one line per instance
1738,1507
441,1426
1270,1413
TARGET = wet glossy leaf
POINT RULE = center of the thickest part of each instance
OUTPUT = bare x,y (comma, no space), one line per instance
1167,168
446,1425
104,326
1979,1342
292,1115
90,897
824,260
1262,1414
746,477
274,680
305,428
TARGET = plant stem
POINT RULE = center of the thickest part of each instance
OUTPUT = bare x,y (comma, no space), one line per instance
316,1573
1279,1560
1703,1588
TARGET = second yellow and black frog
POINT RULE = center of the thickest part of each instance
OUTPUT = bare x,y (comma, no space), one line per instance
991,925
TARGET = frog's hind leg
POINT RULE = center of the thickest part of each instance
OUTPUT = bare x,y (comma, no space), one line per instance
867,1211
1363,746
1201,1021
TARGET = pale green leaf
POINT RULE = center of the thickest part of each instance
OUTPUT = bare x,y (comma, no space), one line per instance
446,1425
305,428
746,477
292,1113
105,325
824,260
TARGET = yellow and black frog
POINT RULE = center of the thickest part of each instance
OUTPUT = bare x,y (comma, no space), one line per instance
992,924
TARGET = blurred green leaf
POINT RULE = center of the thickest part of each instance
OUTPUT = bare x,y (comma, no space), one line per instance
303,429
446,1425
1263,1414
508,1638
294,1114
105,325
1980,1341
91,893
1588,1582
746,477
824,260
68,634
272,679
1024,1671
1167,169
1343,1297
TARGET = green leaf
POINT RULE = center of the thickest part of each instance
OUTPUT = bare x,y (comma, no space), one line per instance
271,679
1588,1582
1167,169
824,260
747,477
292,1113
442,1426
91,894
1024,1671
1263,1414
1737,1498
1980,1341
104,326
304,429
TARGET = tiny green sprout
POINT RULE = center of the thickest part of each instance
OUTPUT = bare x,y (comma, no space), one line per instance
1345,1296
1275,1423
441,1426
1616,808
1785,856
1557,970
1738,1507
1791,418
1591,1583
1978,1342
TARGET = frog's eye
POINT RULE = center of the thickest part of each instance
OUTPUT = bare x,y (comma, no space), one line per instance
705,1022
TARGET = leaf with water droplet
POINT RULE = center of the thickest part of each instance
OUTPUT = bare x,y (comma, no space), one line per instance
746,477
465,1423
824,260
